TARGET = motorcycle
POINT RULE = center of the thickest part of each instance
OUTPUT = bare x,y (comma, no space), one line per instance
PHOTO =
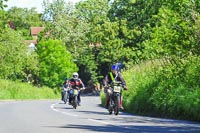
114,99
65,95
73,94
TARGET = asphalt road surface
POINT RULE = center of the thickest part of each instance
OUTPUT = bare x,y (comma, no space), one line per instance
53,116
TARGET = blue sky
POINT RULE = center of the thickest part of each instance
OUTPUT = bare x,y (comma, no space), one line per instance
30,3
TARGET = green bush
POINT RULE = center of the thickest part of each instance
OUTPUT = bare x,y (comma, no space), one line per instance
103,97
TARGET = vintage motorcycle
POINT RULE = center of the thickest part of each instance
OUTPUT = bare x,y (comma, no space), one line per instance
114,99
73,94
65,93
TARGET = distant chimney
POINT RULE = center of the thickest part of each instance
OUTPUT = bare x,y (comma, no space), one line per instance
11,24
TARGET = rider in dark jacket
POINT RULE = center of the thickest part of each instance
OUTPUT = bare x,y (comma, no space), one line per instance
65,85
113,75
76,83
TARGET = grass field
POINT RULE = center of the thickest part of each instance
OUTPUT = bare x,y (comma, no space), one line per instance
18,90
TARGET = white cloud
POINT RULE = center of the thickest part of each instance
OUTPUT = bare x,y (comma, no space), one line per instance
30,3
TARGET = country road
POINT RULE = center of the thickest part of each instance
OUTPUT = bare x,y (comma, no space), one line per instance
53,116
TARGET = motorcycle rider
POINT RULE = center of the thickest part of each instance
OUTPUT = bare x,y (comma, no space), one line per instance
109,79
76,82
65,85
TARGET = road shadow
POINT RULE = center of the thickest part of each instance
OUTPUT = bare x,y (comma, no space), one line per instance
63,107
94,112
131,129
66,106
62,103
130,123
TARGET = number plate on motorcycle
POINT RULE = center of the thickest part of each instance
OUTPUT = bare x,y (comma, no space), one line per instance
75,92
117,89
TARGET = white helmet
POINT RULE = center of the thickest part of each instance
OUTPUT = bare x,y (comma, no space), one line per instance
75,75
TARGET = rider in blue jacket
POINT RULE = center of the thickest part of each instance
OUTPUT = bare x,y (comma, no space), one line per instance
114,75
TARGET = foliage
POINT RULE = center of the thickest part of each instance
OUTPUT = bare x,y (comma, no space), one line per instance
113,49
171,36
103,97
163,30
55,61
14,56
2,5
21,19
64,24
93,11
170,91
107,47
3,16
18,90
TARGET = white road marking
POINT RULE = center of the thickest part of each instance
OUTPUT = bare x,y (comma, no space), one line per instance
53,108
169,124
98,121
69,114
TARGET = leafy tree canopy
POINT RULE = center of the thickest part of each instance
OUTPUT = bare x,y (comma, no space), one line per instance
2,5
56,63
14,55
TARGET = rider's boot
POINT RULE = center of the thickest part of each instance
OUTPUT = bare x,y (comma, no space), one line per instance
121,107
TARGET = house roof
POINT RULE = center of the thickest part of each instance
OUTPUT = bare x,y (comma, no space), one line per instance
36,30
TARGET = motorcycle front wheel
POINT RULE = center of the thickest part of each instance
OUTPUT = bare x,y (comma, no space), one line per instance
65,97
75,103
110,106
117,105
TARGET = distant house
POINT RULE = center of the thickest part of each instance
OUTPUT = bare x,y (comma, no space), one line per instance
34,31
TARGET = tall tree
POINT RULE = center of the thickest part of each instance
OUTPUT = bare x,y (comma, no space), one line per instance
3,19
174,24
64,24
172,20
14,55
94,13
105,32
22,19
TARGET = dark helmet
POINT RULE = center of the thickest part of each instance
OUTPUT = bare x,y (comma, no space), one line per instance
115,67
66,79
